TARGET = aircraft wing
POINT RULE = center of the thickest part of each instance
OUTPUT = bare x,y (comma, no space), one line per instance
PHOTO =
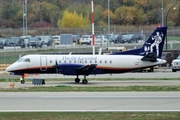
150,57
87,69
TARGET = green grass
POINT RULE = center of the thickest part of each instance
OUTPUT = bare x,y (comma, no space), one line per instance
90,116
9,79
173,38
93,89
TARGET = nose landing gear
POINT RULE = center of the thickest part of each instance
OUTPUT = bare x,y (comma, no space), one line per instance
77,80
22,79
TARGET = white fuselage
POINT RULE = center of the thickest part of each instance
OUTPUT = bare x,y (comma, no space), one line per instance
43,63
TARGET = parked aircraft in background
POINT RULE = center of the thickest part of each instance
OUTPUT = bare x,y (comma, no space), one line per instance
146,56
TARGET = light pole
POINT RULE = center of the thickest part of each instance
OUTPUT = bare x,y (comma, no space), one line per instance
26,15
167,18
25,18
162,13
23,15
108,19
108,16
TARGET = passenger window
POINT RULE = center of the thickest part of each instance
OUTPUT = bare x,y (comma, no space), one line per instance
110,61
50,61
105,61
59,61
100,61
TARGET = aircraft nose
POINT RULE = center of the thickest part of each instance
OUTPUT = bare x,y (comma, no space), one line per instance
8,69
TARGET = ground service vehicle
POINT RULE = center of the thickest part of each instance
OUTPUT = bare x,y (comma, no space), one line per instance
168,56
176,64
56,39
86,39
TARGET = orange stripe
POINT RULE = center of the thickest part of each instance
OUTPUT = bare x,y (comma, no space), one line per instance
25,75
112,68
116,68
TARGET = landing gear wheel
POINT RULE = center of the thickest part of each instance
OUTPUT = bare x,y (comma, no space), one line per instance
84,81
77,80
22,81
151,69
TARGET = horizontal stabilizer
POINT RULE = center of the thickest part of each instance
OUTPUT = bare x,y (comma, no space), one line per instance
152,57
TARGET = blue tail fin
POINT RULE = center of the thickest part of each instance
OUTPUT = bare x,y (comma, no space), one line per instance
154,44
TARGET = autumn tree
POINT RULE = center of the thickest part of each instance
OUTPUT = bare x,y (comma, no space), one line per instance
84,9
112,16
73,20
8,14
99,17
50,13
125,15
122,12
33,13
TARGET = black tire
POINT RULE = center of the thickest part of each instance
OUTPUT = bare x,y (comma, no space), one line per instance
22,81
151,69
84,81
173,70
77,80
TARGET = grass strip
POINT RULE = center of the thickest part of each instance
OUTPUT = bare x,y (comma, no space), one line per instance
90,79
90,115
93,89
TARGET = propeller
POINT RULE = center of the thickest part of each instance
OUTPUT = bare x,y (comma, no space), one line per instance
56,66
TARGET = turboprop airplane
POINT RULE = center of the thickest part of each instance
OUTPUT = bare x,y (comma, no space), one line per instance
147,56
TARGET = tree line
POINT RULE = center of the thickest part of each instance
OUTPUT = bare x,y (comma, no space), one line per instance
77,13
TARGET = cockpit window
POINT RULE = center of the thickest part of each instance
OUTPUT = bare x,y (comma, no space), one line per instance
24,60
21,60
27,60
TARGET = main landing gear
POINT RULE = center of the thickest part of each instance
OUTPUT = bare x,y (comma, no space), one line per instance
77,80
22,79
84,81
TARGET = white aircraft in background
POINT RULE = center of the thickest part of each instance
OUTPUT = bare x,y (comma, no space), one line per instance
120,62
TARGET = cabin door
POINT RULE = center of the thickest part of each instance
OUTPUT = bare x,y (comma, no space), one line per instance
43,63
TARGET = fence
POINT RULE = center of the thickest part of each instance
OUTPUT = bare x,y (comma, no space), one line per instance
3,66
173,31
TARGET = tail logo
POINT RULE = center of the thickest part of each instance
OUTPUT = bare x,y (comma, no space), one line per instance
157,40
154,42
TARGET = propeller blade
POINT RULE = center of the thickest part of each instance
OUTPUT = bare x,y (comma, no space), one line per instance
56,66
